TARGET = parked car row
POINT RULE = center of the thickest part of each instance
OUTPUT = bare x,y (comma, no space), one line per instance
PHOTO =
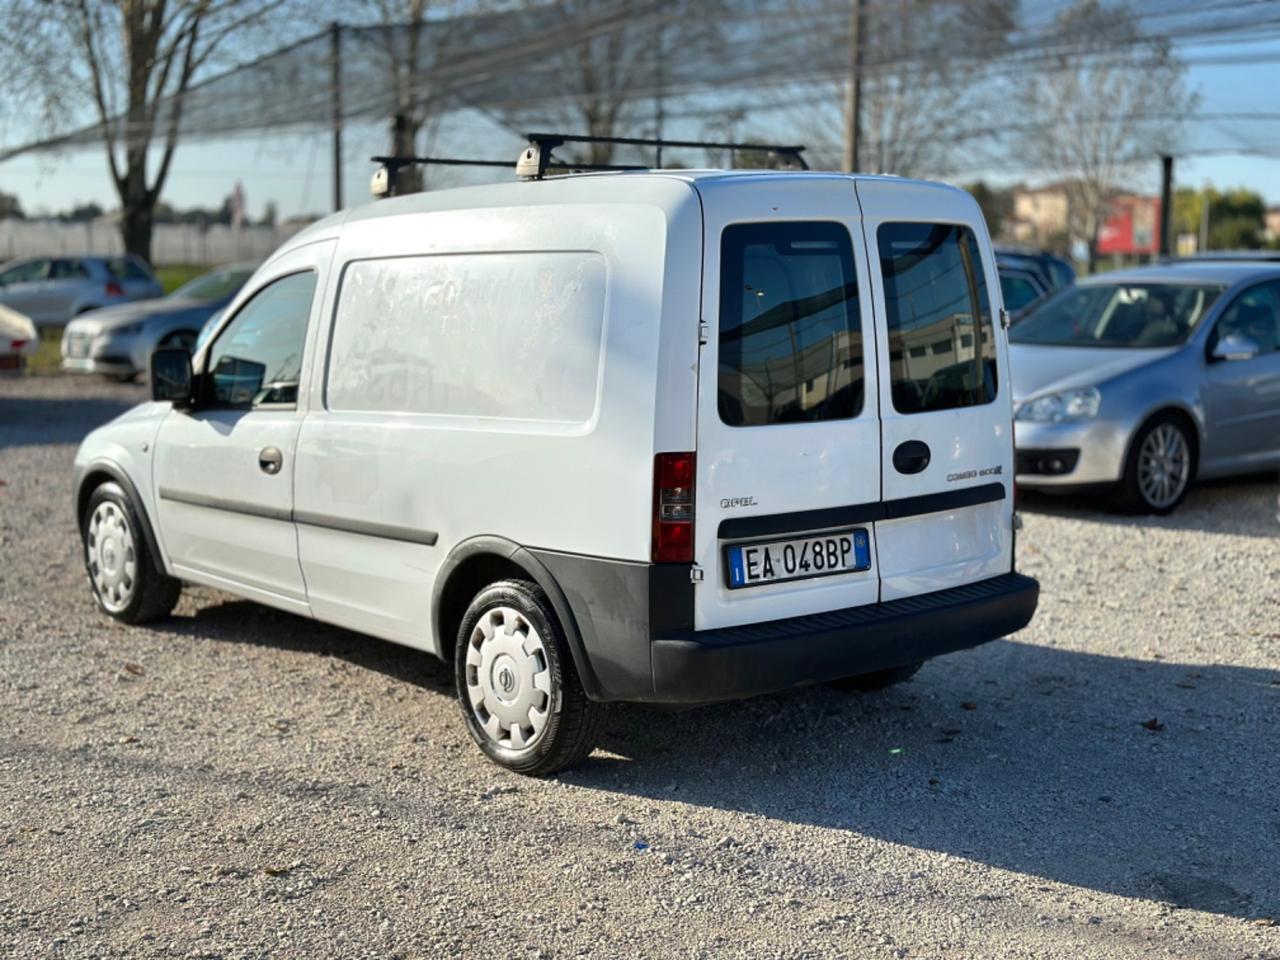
119,341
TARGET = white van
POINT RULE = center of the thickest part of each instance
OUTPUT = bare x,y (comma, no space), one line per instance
670,437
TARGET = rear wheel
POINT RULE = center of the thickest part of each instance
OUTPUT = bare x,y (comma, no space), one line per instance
519,691
1160,466
125,583
878,680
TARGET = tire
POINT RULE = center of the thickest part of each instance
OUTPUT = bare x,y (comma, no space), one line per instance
518,689
878,680
1160,466
126,584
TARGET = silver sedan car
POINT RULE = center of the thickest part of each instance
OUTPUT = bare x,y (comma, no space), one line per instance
118,341
1148,378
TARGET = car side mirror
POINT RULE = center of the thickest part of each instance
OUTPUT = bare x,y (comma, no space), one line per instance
1236,346
171,376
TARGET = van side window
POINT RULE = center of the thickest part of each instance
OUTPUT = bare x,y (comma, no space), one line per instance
257,359
790,325
935,294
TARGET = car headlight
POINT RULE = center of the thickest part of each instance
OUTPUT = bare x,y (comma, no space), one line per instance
132,330
1078,404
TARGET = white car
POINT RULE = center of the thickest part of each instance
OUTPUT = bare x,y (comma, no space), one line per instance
19,340
673,437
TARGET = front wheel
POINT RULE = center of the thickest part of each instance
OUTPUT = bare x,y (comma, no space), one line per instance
519,691
125,583
1160,466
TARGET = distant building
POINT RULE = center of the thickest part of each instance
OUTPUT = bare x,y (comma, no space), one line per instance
1133,227
1040,218
1271,224
1039,215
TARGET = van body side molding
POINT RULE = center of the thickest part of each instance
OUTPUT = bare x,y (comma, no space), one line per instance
743,528
384,531
225,504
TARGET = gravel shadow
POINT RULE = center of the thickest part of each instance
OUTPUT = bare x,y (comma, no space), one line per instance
1026,758
26,421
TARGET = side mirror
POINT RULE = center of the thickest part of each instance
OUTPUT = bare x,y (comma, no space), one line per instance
171,376
1236,346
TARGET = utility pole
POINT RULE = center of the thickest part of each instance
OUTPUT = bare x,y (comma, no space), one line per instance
1166,206
335,93
853,90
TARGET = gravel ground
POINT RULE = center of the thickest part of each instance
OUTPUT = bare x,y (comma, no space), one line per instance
238,782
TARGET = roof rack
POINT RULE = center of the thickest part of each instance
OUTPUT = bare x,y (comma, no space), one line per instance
535,160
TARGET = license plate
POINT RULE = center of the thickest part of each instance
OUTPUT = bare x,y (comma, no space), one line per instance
754,564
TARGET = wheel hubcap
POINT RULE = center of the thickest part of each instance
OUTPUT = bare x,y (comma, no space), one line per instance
113,562
508,678
1164,465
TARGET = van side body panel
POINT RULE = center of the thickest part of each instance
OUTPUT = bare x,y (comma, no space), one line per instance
449,456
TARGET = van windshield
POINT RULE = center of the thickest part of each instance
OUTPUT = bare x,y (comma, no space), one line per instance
1117,315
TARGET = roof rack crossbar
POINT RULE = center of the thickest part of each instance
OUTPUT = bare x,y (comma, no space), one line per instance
536,159
384,178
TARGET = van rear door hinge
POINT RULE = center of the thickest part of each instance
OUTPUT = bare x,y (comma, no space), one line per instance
704,332
1004,318
696,574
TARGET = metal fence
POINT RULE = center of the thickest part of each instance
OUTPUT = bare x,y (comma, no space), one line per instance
171,242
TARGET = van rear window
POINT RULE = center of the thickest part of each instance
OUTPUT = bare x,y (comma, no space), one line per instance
941,342
790,326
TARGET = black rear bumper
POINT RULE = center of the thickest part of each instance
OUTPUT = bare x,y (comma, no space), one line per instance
708,665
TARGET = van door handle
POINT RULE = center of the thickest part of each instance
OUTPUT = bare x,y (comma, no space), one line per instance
912,456
270,460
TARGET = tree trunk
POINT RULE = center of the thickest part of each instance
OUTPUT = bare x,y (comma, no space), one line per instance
137,206
404,139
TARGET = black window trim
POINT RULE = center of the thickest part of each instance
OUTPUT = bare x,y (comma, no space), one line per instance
203,378
866,409
988,263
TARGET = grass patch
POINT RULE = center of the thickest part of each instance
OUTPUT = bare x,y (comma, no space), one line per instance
175,275
48,358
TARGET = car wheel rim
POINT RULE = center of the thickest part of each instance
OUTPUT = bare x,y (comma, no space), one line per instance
508,678
113,559
1164,465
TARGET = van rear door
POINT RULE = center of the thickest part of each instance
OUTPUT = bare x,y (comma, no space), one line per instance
944,389
788,439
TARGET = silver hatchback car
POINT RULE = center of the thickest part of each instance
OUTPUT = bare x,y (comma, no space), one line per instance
1149,378
52,290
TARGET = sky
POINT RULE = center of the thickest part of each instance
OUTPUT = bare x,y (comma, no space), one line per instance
294,171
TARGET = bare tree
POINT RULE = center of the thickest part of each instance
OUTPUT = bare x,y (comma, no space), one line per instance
1109,99
132,61
612,77
926,91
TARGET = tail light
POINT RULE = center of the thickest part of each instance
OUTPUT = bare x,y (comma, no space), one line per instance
17,344
673,508
114,289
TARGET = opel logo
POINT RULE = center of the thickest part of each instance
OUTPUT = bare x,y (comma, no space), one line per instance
506,679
